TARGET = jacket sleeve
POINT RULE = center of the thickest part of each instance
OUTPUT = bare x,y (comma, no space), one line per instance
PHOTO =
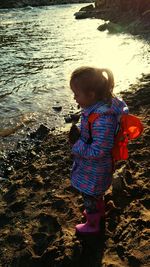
103,139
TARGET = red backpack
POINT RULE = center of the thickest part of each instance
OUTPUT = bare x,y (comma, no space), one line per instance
130,127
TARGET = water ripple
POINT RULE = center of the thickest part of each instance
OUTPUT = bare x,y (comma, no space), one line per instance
40,47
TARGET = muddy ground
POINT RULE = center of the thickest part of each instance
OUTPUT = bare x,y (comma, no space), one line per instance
39,209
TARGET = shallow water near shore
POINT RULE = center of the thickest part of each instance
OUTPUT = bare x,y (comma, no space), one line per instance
40,47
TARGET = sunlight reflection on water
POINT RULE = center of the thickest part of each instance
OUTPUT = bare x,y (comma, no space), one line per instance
40,47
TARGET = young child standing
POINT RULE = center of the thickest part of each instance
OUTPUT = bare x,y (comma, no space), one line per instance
93,165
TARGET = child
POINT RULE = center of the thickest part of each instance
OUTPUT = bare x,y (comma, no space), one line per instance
93,166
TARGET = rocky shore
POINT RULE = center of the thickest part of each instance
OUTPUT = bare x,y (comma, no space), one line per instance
120,16
130,16
39,209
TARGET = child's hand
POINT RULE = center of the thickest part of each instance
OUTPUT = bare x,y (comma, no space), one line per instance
74,134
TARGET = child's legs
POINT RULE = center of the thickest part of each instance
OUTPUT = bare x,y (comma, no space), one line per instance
91,203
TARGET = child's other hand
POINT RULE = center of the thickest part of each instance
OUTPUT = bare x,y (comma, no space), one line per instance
74,134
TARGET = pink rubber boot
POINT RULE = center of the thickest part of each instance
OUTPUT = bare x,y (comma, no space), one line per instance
91,226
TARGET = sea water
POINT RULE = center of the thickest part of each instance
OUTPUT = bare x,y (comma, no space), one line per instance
40,47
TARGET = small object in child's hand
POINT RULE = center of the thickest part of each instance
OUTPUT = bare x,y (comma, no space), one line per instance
74,134
72,118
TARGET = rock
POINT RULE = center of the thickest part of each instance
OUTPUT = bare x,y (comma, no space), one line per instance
111,27
82,15
124,6
3,179
87,8
124,16
58,108
146,19
72,118
74,134
40,133
103,27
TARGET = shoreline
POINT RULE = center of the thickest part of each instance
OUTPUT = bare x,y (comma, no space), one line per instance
18,126
118,21
39,209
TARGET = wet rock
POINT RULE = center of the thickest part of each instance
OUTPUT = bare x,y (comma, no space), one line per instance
58,108
68,119
8,170
40,133
74,134
87,8
72,118
3,179
84,14
111,27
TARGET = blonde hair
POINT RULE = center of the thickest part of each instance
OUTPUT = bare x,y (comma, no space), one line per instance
100,81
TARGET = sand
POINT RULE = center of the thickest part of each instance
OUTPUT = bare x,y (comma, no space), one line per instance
39,209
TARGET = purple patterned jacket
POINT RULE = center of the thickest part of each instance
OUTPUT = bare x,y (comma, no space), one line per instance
92,167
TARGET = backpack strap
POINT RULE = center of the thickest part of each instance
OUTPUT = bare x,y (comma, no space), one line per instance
92,117
118,123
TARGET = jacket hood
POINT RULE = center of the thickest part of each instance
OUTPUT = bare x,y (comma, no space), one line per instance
118,107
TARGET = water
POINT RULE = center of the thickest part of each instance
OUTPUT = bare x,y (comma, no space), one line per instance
40,47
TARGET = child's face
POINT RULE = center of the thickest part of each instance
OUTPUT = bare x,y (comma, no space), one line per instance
83,99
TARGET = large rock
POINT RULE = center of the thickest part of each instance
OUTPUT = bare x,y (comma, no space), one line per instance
87,8
111,27
138,6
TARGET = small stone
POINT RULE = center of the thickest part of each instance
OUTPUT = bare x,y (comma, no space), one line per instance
58,109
